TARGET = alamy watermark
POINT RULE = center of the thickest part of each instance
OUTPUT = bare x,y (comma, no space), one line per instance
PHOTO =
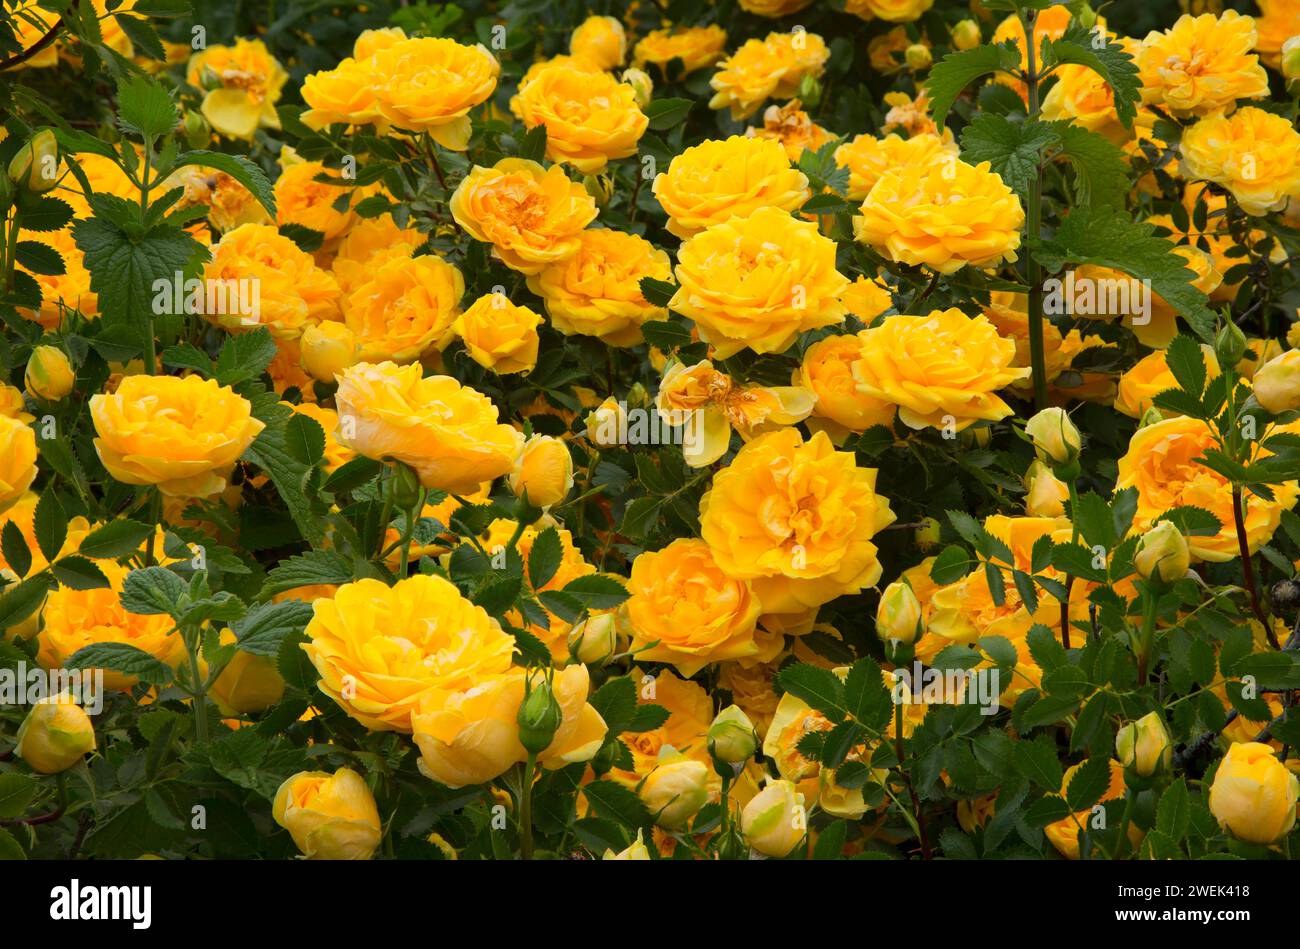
27,685
930,686
1098,297
237,296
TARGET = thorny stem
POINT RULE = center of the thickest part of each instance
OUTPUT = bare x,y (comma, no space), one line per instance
1248,567
911,789
1034,223
526,809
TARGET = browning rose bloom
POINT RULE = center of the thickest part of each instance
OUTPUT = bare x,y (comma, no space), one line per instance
405,308
1161,464
768,68
182,434
682,601
597,291
714,181
447,432
796,519
1253,153
758,282
381,650
942,369
1201,64
499,335
529,214
943,215
696,47
868,158
590,118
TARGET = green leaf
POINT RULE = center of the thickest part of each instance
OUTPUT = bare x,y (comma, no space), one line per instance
657,292
956,71
145,108
14,547
1037,761
152,590
1088,784
616,802
1174,812
238,167
264,628
532,147
665,113
40,258
1100,168
1192,521
597,591
46,214
22,600
305,439
50,524
121,657
16,792
272,452
1186,362
78,573
830,841
1094,49
866,698
313,567
1107,237
245,356
1013,149
953,563
820,688
115,539
1094,521
544,558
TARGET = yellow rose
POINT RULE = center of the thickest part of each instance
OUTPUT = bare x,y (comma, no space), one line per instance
690,712
757,282
1252,153
795,518
793,128
55,735
1277,383
329,816
78,618
1201,64
940,370
696,47
867,299
344,95
868,158
336,455
301,199
499,335
714,181
635,851
773,9
675,790
772,67
1278,21
543,470
447,432
531,215
1253,796
944,215
60,293
774,822
472,736
682,601
597,290
1064,833
248,683
1045,493
590,118
243,84
601,40
1148,378
326,349
429,85
1161,464
1258,352
827,371
380,650
894,11
1083,97
289,291
406,307
49,374
228,202
182,434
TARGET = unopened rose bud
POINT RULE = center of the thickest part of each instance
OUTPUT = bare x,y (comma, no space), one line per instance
918,57
49,374
407,490
600,187
543,473
196,129
329,816
641,84
327,349
966,35
731,738
1291,59
1151,416
1229,344
1162,554
676,789
1277,383
606,424
774,821
55,735
539,716
1144,748
898,616
35,166
1045,493
594,640
810,92
1056,441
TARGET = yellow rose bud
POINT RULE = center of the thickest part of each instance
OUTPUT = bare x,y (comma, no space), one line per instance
1045,494
966,35
731,738
49,373
35,167
607,423
898,617
1144,747
55,735
1277,383
1162,554
1056,439
327,349
499,335
248,683
634,851
1253,796
676,789
329,816
918,57
1291,59
539,716
774,821
543,472
594,640
600,187
641,83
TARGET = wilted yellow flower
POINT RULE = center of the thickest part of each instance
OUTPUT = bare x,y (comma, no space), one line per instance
301,199
793,128
796,519
767,68
840,406
601,40
243,84
1252,153
695,46
75,619
868,158
1201,64
288,291
447,432
695,614
597,290
531,215
182,434
714,181
590,118
429,85
329,816
943,215
499,335
405,308
941,370
55,735
757,282
1253,796
1161,464
380,650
